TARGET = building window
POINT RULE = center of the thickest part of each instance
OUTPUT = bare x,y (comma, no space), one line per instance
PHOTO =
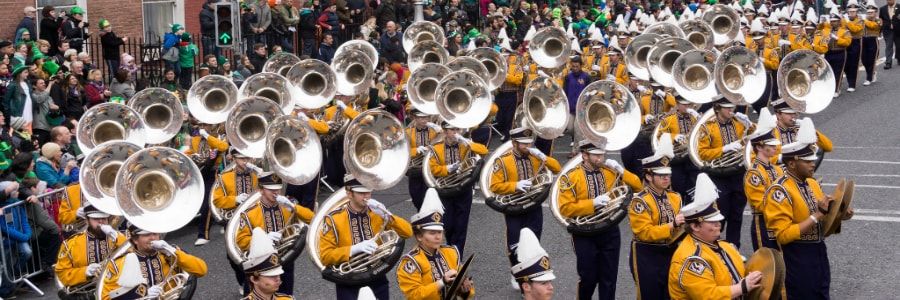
159,15
58,6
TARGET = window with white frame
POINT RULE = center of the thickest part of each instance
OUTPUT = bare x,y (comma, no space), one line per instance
159,15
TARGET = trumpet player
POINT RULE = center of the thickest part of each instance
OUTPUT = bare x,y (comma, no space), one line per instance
838,42
82,256
723,135
655,215
856,26
585,191
870,41
206,151
420,134
272,213
352,229
512,173
678,125
263,268
449,158
795,207
141,273
429,269
704,267
760,175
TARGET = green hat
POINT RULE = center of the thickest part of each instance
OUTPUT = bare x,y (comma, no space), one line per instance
117,99
51,67
473,33
222,60
186,37
104,23
4,146
76,11
176,27
19,69
37,55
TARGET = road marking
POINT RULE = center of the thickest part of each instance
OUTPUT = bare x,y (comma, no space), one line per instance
876,211
860,175
876,218
867,186
866,147
885,162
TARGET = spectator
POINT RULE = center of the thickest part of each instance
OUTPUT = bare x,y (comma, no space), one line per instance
38,70
43,226
284,24
170,40
112,45
27,22
17,100
15,227
74,99
129,65
258,57
241,65
50,24
392,44
248,17
43,47
62,136
187,51
61,49
212,63
329,21
6,147
227,71
404,12
95,92
70,56
48,166
308,21
169,81
454,43
122,85
86,60
326,49
42,104
208,29
385,13
6,50
262,22
75,29
21,56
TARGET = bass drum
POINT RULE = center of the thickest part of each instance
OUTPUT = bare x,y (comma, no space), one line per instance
606,217
187,293
491,199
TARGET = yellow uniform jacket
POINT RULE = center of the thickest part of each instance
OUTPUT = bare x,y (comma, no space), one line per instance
790,201
445,155
270,219
318,126
873,28
843,38
579,187
757,179
234,185
511,167
81,250
277,296
68,210
419,272
348,113
715,135
618,71
154,268
514,73
650,104
855,27
214,144
652,215
677,123
770,57
419,137
701,270
343,228
817,43
788,135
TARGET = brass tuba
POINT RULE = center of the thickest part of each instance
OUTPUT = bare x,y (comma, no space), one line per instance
550,48
362,46
353,70
312,83
728,164
427,52
519,202
110,122
463,99
161,111
740,75
453,184
698,33
421,31
694,76
271,86
666,30
293,236
422,86
293,150
724,21
376,149
280,63
604,217
636,54
247,122
495,65
608,110
177,286
221,216
98,174
211,98
806,81
546,109
663,55
472,64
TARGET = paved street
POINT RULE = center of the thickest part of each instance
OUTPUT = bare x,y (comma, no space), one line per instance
863,126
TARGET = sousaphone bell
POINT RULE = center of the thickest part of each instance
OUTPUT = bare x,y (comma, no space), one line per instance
247,122
546,109
421,31
806,81
422,86
494,63
280,63
740,75
608,110
724,21
694,76
161,111
313,83
663,56
353,70
293,150
362,46
666,30
271,86
427,52
636,54
550,48
698,33
376,149
211,98
110,122
98,174
463,99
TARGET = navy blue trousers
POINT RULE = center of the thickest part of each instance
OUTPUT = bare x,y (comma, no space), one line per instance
632,155
684,177
506,104
334,164
482,134
597,259
533,219
417,189
869,55
209,177
731,204
546,146
456,217
808,270
649,264
837,59
760,235
306,194
379,287
851,68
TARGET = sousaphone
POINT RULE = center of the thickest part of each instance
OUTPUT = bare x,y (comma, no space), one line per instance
422,86
520,202
110,122
98,174
604,216
806,81
694,76
666,30
280,63
353,71
376,149
293,235
724,21
463,99
546,109
247,122
211,98
608,110
293,150
427,52
495,65
421,31
362,46
312,83
729,163
698,33
636,54
740,75
161,111
550,48
663,56
271,86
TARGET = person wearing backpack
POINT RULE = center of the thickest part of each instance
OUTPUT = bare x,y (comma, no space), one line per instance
170,48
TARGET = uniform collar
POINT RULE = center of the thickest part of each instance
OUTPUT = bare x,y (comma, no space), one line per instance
714,246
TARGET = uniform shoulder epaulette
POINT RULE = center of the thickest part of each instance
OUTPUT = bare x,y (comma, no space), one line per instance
336,210
408,263
572,171
413,252
694,264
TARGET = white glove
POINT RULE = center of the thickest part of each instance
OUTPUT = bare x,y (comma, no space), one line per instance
285,201
241,198
80,212
367,247
109,231
379,208
660,93
302,117
641,88
542,73
462,139
693,112
254,168
537,153
433,126
784,42
833,36
154,291
421,149
275,236
340,104
613,164
743,118
595,68
649,118
92,270
601,200
523,185
453,167
679,138
161,245
733,146
204,134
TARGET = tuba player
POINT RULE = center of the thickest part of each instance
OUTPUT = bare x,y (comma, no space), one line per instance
82,255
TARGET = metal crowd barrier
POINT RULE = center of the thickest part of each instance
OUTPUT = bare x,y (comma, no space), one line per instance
16,231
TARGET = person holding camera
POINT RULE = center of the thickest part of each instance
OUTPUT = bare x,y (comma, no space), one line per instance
75,29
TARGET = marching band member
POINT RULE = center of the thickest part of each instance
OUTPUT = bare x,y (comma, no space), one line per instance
655,214
723,134
428,270
759,177
81,255
703,267
594,60
837,47
870,41
70,210
798,36
856,26
350,230
139,273
263,268
678,125
512,173
333,163
272,213
582,192
207,161
786,127
448,158
307,193
816,39
508,95
420,133
236,184
766,41
795,204
482,133
531,269
655,102
614,67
